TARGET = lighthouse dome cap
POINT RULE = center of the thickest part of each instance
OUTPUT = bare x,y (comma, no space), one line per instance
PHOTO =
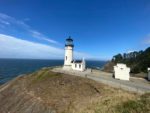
69,39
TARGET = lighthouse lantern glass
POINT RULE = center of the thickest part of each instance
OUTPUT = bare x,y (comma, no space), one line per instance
69,42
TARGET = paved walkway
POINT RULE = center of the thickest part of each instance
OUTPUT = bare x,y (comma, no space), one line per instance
134,85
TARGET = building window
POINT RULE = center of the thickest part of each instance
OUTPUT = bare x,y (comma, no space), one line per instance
66,57
75,65
79,65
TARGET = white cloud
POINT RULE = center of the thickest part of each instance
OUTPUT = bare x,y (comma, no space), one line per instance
12,47
147,39
26,19
130,51
41,36
8,20
4,22
80,55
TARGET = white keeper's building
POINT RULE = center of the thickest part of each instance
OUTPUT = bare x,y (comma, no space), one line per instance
121,72
69,62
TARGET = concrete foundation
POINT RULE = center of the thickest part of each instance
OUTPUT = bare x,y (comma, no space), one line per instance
67,67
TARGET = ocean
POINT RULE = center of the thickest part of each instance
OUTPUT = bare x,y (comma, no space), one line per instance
11,68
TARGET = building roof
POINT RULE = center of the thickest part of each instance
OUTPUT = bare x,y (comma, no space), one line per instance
77,61
69,39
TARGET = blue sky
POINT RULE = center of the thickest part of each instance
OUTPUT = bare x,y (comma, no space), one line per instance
100,28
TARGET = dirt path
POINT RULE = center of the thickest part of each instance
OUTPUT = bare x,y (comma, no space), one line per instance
134,85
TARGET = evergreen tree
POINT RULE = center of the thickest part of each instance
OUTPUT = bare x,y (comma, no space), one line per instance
138,61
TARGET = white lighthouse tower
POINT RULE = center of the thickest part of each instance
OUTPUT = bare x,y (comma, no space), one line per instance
68,53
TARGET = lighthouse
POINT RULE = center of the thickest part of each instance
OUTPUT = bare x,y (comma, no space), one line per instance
69,62
68,53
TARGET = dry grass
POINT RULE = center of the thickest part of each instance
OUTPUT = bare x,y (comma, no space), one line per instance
67,94
138,105
79,95
108,101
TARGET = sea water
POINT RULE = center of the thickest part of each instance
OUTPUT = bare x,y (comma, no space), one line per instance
11,68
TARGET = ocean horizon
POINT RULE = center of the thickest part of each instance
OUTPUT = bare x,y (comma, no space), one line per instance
11,68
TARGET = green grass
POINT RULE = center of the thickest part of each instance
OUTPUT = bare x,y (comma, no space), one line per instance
43,75
140,105
46,75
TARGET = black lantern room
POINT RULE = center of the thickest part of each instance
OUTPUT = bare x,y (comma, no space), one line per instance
69,42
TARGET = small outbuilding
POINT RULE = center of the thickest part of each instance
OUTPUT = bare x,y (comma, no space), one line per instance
78,65
121,72
148,73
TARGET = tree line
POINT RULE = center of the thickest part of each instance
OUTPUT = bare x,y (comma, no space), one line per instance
138,61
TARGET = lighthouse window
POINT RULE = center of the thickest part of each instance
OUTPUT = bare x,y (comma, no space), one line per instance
66,57
79,66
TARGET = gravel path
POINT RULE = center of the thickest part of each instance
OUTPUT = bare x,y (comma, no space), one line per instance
134,85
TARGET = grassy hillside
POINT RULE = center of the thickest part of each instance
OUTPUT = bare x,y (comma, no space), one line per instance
47,92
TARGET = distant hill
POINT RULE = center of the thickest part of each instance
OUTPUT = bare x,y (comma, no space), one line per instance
138,61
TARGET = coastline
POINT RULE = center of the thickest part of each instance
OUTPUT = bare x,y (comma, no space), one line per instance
11,68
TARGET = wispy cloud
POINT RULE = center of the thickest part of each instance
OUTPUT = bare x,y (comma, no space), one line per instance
6,20
12,47
41,36
146,40
130,51
80,55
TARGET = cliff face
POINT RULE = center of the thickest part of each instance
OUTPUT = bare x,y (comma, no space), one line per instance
47,92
